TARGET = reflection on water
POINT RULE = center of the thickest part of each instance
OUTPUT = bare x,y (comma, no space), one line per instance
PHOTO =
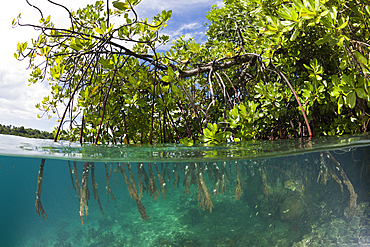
319,198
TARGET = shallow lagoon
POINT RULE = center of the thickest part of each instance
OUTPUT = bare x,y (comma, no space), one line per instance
272,193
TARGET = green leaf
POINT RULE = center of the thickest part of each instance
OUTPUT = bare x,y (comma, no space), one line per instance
360,58
271,28
187,141
347,79
307,67
295,34
119,5
103,26
106,63
340,104
284,13
351,99
132,80
167,78
207,133
110,28
361,93
134,2
324,13
333,14
256,11
203,138
166,15
287,23
47,20
175,90
221,136
340,41
309,4
98,30
322,40
171,72
344,24
298,4
317,5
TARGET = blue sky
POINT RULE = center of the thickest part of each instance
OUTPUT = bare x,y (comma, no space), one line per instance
17,99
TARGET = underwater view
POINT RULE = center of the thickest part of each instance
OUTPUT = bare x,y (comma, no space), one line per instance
269,193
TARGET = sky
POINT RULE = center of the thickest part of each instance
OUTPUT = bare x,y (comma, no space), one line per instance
18,100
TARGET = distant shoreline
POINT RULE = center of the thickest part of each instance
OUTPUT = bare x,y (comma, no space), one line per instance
25,132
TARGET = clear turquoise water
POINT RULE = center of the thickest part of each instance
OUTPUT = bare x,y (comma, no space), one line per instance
298,210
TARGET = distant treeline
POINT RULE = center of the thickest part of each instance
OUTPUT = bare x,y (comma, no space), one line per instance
21,131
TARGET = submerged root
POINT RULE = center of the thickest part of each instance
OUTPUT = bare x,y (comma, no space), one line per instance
192,173
347,182
266,189
203,196
83,193
238,189
38,205
70,173
109,190
131,187
140,176
161,181
95,187
152,187
187,179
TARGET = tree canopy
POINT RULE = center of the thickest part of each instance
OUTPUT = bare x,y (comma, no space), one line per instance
269,69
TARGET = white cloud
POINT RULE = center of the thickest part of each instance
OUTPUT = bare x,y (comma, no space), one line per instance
190,26
189,30
177,7
220,4
18,101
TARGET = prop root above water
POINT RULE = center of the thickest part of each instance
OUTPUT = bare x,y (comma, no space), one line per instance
38,205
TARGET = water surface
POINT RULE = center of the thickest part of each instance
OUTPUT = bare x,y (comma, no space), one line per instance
269,193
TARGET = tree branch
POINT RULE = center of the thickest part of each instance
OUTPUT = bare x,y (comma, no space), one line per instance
235,60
